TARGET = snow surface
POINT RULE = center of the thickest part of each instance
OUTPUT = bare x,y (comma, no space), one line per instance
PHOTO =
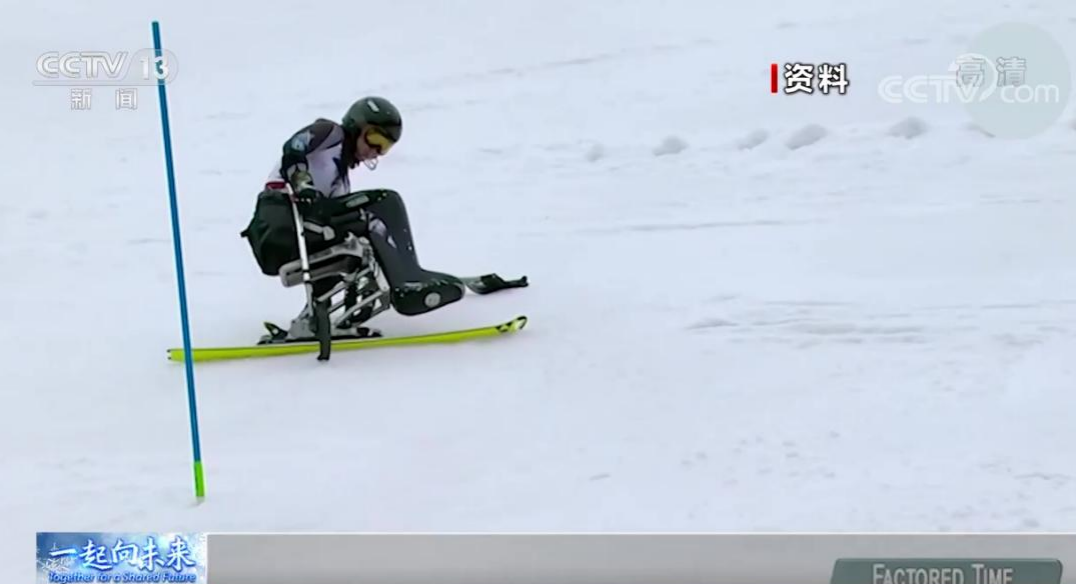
873,331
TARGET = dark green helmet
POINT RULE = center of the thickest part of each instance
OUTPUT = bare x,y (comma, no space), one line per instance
374,111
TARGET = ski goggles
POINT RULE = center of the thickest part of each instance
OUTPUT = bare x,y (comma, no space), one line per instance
378,141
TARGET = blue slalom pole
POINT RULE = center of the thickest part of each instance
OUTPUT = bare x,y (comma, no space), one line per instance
161,72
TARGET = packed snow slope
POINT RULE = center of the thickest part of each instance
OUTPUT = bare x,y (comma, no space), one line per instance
748,311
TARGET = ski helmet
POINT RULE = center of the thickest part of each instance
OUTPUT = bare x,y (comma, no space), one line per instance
377,112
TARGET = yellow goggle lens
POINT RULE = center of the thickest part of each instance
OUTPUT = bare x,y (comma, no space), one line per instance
378,141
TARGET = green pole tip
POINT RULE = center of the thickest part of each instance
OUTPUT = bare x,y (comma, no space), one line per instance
199,480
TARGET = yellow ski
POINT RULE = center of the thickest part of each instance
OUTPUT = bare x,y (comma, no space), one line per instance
278,349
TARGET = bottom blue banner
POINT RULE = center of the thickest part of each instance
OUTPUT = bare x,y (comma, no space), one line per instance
64,558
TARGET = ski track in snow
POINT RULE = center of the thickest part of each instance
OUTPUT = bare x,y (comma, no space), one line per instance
748,312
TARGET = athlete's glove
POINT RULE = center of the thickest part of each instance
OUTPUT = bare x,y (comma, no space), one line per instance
302,187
